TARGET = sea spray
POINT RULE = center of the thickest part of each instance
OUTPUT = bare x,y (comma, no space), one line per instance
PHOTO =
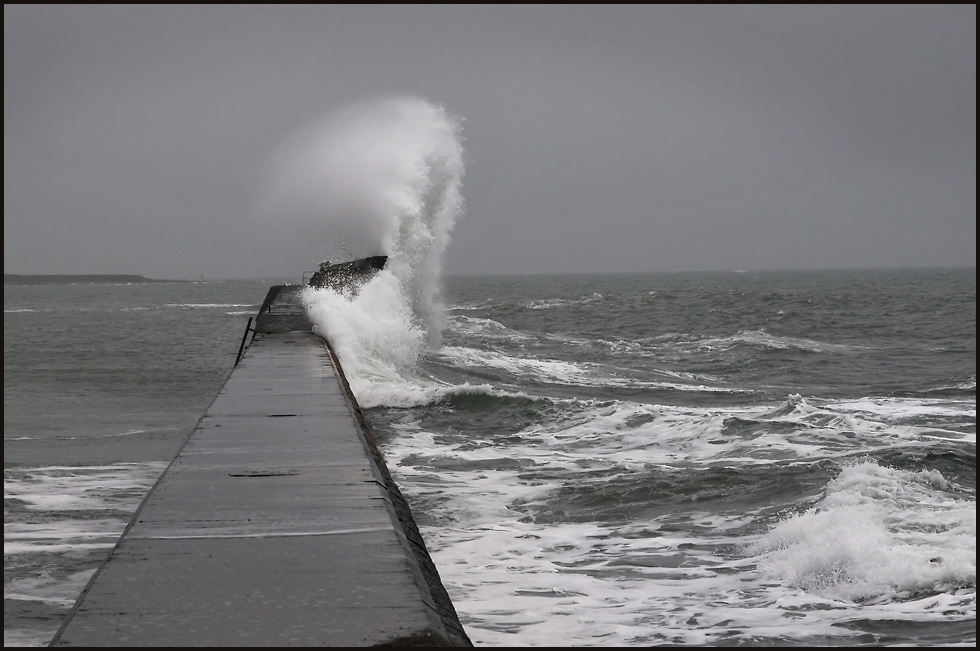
380,179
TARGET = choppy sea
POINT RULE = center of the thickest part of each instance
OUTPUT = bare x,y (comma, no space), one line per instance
739,458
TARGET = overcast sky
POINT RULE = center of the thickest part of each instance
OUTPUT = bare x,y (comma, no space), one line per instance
596,139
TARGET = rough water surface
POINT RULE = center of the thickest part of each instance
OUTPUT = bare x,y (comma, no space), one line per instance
780,458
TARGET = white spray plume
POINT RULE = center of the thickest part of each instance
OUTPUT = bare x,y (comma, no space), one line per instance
378,179
354,178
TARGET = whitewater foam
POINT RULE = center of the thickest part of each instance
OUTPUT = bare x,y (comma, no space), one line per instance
528,581
880,542
877,534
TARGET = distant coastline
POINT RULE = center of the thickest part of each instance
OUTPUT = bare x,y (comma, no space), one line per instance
76,279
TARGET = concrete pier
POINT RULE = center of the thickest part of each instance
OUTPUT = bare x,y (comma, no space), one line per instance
277,524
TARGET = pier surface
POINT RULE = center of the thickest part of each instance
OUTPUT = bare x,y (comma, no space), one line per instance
277,524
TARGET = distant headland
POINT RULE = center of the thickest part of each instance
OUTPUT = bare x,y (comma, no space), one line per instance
77,279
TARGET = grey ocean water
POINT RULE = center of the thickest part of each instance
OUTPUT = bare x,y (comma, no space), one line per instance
102,384
780,458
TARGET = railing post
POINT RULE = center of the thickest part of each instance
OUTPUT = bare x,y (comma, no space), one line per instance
244,336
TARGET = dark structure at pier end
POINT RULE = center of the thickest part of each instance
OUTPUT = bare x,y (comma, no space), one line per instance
346,276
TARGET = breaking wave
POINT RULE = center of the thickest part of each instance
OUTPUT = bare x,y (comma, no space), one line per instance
388,178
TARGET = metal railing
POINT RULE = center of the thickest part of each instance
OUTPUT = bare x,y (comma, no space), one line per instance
241,349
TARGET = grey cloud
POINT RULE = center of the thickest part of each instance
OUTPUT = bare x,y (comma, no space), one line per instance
627,138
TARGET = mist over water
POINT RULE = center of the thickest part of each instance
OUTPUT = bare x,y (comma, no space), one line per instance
380,179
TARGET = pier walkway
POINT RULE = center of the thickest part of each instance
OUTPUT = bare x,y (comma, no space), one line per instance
277,524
